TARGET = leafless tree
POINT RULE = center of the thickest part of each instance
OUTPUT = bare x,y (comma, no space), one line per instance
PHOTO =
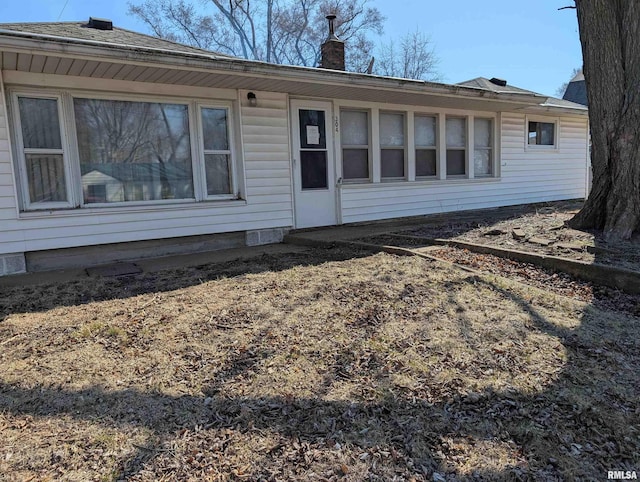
413,58
279,31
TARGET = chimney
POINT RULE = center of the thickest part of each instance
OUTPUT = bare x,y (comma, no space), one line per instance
100,23
332,49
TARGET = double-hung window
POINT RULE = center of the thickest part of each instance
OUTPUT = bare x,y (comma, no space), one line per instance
354,138
45,174
217,150
425,140
482,147
456,135
119,151
392,146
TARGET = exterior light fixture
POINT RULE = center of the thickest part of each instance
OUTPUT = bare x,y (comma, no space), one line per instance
253,101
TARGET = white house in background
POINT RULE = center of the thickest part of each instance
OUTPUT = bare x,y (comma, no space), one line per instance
109,136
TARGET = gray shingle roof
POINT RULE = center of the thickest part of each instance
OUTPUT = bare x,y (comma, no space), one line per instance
117,36
486,84
576,92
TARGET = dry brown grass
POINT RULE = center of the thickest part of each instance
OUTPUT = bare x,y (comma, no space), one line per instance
324,365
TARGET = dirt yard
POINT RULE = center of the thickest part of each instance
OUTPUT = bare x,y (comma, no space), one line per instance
535,228
325,365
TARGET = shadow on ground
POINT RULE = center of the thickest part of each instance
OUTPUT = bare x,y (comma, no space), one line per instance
577,428
37,298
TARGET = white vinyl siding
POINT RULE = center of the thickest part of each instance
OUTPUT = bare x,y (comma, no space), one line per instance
263,179
263,173
526,176
8,208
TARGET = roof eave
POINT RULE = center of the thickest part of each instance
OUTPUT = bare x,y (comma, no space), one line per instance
71,47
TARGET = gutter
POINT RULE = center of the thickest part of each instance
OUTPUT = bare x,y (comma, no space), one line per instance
38,44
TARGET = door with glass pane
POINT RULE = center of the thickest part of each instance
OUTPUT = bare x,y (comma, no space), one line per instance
313,164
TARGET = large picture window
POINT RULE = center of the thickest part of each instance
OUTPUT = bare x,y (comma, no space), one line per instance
76,151
135,151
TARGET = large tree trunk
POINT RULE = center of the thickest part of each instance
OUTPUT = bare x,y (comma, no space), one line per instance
610,37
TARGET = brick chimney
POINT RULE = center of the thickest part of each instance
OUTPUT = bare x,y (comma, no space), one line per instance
333,49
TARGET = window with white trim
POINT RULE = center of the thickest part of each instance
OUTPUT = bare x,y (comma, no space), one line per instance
541,134
120,151
140,151
482,147
426,141
392,146
354,138
42,153
217,150
456,135
443,145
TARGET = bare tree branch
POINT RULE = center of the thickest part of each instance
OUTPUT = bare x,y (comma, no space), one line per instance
280,31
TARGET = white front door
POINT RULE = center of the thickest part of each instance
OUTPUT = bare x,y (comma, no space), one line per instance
314,182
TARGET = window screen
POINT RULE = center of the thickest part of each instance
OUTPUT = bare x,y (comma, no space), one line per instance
354,134
43,152
425,140
392,141
456,135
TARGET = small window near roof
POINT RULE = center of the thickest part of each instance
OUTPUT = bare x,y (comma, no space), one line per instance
541,134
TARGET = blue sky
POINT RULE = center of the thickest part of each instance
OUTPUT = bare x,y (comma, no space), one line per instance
530,44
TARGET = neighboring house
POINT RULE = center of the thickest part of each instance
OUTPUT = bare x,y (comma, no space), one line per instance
109,136
577,90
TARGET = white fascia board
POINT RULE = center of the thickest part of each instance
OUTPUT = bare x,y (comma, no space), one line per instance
555,110
36,44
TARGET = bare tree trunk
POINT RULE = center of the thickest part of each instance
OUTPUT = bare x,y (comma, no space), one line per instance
610,37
